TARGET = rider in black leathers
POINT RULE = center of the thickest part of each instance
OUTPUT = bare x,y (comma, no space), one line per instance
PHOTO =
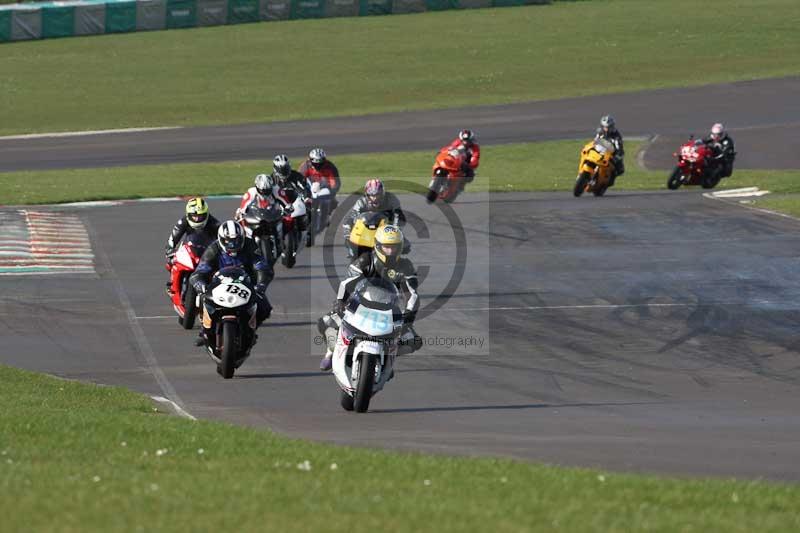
383,262
723,148
233,248
608,131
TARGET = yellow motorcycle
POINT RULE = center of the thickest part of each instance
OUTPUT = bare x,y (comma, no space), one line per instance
362,235
595,168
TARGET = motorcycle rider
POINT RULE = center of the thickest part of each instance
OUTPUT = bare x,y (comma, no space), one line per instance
721,145
319,168
261,194
608,131
233,248
197,221
383,262
290,185
466,141
375,199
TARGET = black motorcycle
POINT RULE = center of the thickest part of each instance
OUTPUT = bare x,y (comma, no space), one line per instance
266,223
229,319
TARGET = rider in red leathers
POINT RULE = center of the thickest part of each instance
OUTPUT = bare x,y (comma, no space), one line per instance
319,168
466,140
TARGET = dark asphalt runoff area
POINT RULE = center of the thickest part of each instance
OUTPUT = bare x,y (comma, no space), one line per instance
639,332
762,115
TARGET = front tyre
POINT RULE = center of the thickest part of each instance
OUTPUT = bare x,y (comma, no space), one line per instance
290,250
674,180
230,349
366,380
189,306
580,183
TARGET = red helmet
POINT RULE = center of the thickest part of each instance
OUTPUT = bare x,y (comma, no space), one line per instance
373,191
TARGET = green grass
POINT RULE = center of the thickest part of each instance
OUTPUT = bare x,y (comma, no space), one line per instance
782,203
313,68
77,457
544,166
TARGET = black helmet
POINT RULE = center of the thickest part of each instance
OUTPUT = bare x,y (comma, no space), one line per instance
281,167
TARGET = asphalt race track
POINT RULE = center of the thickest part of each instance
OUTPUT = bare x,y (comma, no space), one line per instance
650,332
763,115
640,331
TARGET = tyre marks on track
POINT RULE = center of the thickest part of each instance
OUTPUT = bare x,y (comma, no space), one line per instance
43,242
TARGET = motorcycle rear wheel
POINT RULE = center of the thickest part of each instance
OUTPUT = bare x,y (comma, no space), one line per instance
366,380
189,306
674,180
580,183
712,179
229,350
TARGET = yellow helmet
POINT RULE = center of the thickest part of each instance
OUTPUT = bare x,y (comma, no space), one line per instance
388,244
197,212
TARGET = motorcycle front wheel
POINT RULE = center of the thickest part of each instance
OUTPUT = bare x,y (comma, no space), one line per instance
189,306
229,351
674,180
366,380
580,183
290,250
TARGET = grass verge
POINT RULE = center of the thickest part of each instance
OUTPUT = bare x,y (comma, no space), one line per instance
543,166
313,68
77,457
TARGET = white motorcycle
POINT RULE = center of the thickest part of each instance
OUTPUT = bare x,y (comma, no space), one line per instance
367,342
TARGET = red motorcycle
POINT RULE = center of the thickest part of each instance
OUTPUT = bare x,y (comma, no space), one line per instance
294,207
695,166
448,176
183,263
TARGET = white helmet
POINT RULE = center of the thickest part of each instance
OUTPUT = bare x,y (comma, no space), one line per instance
281,166
317,156
717,132
264,184
230,236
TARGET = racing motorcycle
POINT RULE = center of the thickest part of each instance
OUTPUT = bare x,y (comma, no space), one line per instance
229,319
321,203
182,265
448,176
362,235
595,167
264,224
294,207
366,342
695,166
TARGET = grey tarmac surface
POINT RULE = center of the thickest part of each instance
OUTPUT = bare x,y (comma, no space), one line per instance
639,332
763,115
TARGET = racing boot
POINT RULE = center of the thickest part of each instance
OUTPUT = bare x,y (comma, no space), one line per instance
327,362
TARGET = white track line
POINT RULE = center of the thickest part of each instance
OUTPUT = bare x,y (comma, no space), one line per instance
177,408
643,150
142,343
517,308
81,133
